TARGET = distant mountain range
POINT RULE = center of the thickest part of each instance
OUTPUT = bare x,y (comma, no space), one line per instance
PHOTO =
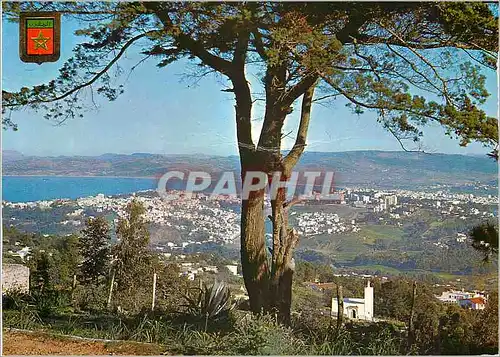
384,169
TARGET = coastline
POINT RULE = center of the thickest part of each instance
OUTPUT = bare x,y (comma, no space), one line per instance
33,188
84,176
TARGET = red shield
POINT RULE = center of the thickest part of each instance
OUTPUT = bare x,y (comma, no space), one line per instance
40,41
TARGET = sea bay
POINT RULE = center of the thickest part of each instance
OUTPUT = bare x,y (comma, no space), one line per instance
37,188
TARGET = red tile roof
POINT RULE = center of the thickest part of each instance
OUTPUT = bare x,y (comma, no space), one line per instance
477,300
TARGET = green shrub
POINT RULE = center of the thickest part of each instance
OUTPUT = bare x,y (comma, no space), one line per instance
193,342
340,343
382,343
15,300
313,326
25,318
262,335
50,302
90,298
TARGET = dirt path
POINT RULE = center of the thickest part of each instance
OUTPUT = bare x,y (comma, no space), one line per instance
39,343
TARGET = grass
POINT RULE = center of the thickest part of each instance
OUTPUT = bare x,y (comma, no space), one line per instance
446,223
387,233
435,224
394,272
446,276
342,247
345,247
382,268
243,334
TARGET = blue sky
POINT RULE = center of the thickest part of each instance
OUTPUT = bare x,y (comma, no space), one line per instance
161,112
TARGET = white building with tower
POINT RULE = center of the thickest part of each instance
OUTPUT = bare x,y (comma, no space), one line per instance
357,309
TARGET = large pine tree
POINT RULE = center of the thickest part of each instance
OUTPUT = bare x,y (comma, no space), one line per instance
411,63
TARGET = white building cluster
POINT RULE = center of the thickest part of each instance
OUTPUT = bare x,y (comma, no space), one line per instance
446,203
376,201
314,223
204,216
190,270
475,300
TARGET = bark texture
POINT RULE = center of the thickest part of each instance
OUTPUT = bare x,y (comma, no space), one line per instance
268,268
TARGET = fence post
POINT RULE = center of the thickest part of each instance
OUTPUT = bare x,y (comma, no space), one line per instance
154,292
111,290
340,307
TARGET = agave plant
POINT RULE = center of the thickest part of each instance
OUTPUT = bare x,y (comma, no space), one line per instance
211,302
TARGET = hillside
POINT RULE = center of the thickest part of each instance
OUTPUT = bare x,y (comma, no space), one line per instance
387,169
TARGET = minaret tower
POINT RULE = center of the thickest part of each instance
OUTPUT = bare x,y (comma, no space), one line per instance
369,302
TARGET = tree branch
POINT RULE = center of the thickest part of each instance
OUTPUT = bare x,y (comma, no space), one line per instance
298,89
195,47
444,91
325,97
95,78
373,106
414,68
300,141
477,60
240,50
393,133
364,39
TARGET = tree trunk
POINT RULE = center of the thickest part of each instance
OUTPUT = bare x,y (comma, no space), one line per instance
282,268
285,239
254,256
268,278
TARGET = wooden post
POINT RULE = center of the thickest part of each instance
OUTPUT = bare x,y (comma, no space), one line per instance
340,307
111,290
73,289
154,292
